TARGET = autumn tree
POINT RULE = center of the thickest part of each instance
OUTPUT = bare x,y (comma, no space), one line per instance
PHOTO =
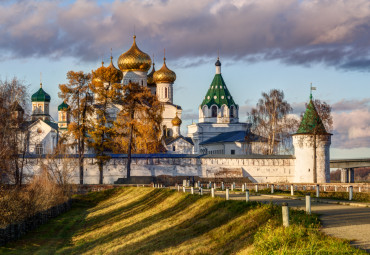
78,96
138,125
270,118
13,137
107,91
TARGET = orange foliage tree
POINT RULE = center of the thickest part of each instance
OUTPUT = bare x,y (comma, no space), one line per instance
106,87
138,125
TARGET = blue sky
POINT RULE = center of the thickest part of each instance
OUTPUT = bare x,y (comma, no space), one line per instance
263,45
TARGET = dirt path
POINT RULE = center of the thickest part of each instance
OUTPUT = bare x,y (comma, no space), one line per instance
343,221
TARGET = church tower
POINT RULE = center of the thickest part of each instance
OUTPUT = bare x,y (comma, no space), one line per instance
218,105
40,105
164,78
312,149
134,65
63,116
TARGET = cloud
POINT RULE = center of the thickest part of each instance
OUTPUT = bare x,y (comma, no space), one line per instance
335,33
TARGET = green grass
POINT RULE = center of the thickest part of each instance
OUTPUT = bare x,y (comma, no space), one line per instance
134,220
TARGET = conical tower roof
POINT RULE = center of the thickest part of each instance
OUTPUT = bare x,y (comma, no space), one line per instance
218,94
311,122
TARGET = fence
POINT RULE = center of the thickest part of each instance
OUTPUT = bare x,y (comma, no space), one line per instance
15,230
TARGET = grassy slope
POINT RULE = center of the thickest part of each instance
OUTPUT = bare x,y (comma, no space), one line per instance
146,220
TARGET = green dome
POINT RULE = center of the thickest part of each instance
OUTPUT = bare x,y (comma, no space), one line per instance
63,106
40,96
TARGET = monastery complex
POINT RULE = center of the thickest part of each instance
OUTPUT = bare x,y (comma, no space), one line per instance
217,146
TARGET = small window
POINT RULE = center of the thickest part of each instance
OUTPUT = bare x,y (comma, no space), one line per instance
232,111
142,83
39,149
173,148
165,93
214,111
232,152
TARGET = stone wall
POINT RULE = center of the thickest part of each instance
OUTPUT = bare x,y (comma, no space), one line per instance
256,168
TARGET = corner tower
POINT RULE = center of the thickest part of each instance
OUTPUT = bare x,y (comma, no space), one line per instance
40,105
218,105
312,149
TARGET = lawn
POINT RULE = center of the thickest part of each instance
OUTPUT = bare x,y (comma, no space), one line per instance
134,220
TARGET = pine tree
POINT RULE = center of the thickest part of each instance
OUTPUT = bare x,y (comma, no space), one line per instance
138,126
78,96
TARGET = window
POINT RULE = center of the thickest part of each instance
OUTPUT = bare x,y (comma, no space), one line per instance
142,83
165,93
173,148
232,111
214,111
64,116
232,152
39,149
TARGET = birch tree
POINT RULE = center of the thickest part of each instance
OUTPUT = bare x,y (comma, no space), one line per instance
270,118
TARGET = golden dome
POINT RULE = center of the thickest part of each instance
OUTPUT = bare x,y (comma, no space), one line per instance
176,121
150,80
113,71
134,60
164,75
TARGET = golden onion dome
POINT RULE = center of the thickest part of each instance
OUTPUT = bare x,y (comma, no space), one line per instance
176,121
134,60
164,75
150,80
114,71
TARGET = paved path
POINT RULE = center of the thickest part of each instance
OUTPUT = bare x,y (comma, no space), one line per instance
343,221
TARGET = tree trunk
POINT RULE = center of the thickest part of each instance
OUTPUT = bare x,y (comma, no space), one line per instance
314,159
81,160
100,172
128,166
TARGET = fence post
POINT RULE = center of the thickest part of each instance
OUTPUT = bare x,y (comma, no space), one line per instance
227,194
256,188
272,188
214,185
212,192
285,211
222,186
335,188
247,195
232,187
292,190
183,189
308,203
350,192
242,187
178,188
359,188
317,190
192,190
201,191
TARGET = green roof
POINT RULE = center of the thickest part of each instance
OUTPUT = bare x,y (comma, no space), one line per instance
63,106
40,96
218,94
311,122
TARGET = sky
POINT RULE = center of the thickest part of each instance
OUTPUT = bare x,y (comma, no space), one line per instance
263,45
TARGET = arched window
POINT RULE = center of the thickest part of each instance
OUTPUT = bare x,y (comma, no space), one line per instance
142,83
232,111
165,93
214,111
205,111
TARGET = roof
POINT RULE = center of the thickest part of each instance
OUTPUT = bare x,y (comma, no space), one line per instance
16,107
218,94
40,96
169,140
27,124
235,136
311,122
63,106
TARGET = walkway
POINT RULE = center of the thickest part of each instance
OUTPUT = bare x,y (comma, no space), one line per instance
343,221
